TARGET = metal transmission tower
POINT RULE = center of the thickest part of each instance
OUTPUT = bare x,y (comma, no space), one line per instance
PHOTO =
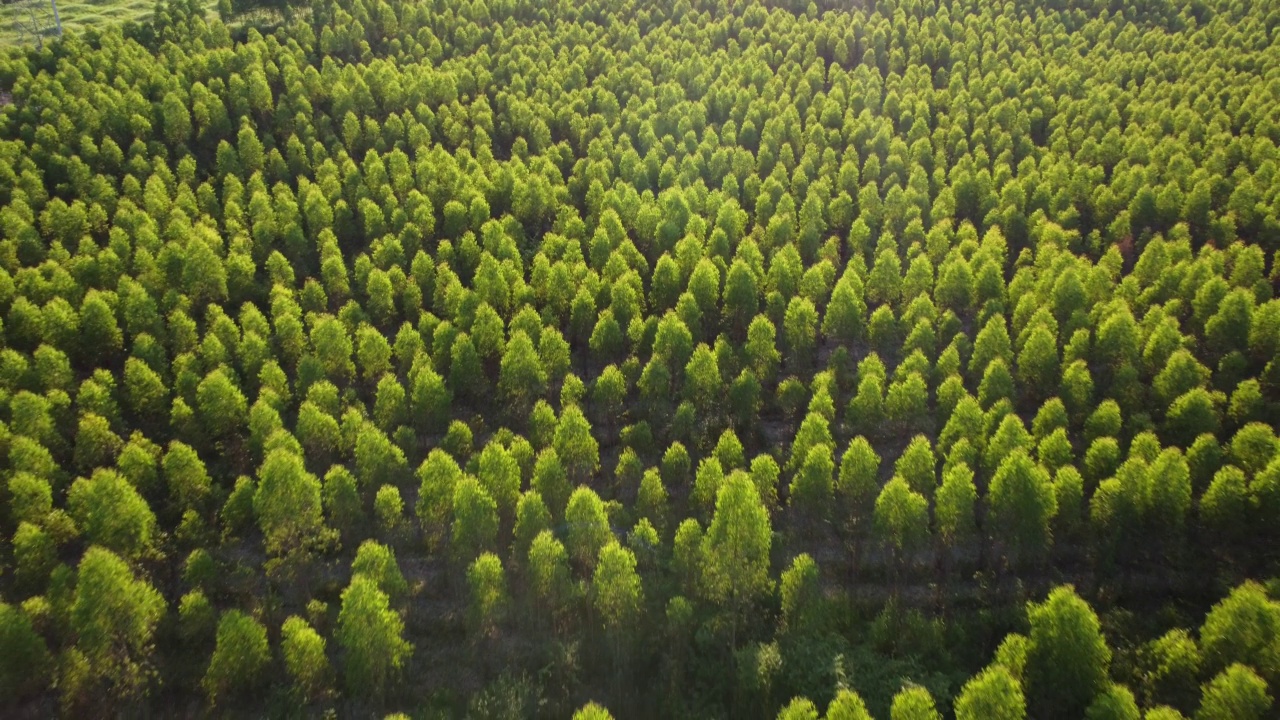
32,20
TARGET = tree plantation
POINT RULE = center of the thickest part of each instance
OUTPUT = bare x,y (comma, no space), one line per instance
893,359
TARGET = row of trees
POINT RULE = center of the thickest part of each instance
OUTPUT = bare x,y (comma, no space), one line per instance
1063,664
507,355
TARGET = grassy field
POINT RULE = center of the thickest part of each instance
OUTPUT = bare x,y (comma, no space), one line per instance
78,15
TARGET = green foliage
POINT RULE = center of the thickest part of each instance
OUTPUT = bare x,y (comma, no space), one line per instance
913,703
288,505
993,694
1225,505
475,519
737,546
954,505
110,513
487,582
616,589
304,657
186,475
1236,692
1173,663
859,471
800,594
1067,658
575,445
1115,702
500,475
551,481
1243,627
799,709
548,567
114,617
916,466
847,705
388,508
256,267
378,562
240,657
1022,505
592,711
811,488
370,633
25,665
901,517
587,524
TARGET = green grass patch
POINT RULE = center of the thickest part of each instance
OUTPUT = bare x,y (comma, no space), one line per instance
79,15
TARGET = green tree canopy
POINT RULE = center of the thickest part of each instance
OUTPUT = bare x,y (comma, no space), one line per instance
371,635
114,617
1067,658
241,655
288,505
993,694
304,657
737,547
1237,693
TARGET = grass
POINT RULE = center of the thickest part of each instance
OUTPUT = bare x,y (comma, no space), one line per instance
78,15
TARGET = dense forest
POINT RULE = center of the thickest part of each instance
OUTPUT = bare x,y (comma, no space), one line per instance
905,359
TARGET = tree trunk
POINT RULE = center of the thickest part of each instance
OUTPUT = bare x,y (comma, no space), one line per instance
943,566
855,562
896,559
733,653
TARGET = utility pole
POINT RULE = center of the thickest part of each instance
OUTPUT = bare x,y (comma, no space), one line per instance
33,19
